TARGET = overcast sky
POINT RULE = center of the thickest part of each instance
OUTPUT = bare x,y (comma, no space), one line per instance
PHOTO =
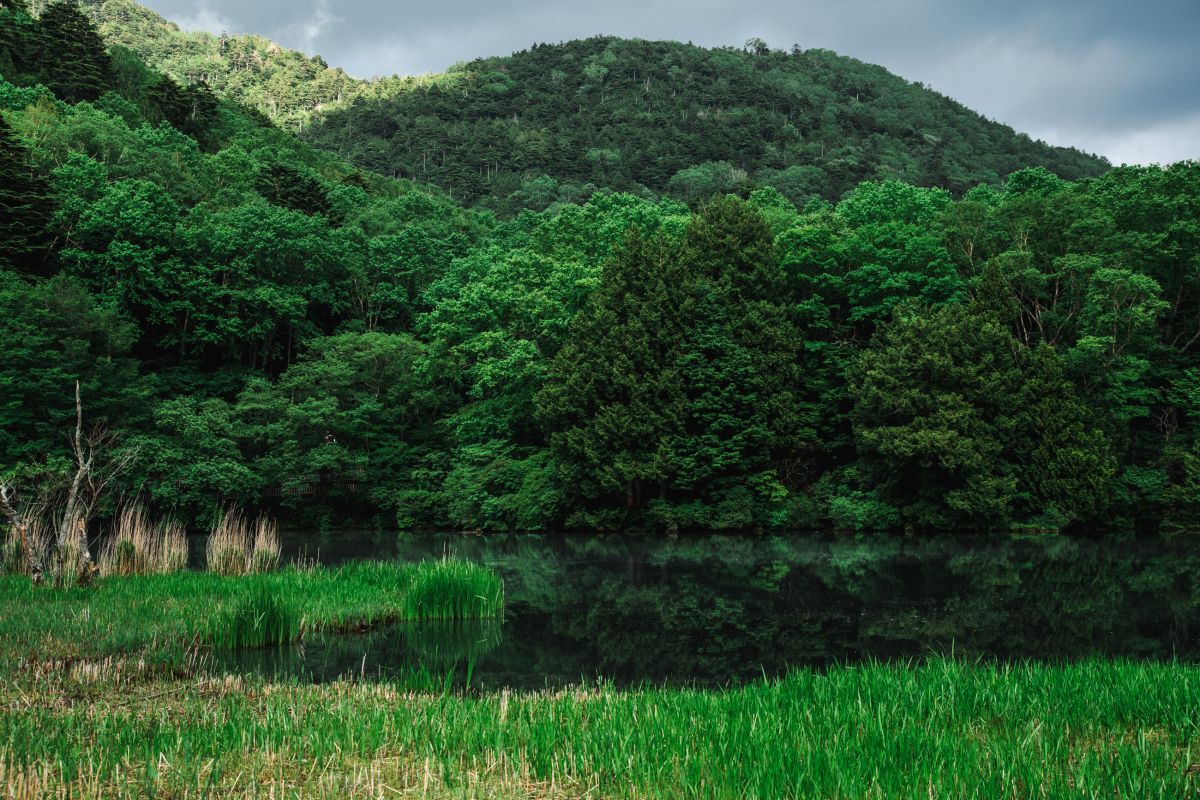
1116,77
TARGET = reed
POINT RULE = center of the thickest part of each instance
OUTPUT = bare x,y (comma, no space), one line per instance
259,618
266,551
239,546
138,546
25,552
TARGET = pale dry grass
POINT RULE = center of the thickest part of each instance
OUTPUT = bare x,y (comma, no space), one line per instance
140,546
28,551
238,546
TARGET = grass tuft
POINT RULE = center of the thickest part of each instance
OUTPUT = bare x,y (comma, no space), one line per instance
238,546
259,618
139,547
453,589
28,550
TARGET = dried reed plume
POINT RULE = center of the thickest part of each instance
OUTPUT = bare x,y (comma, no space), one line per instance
238,546
26,548
139,546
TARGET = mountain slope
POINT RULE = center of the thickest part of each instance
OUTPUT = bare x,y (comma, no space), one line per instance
686,120
286,85
556,121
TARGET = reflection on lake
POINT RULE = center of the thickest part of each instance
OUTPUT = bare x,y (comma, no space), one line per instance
724,609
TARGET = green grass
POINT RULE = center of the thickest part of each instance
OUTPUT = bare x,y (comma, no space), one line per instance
451,589
938,729
257,619
161,616
90,706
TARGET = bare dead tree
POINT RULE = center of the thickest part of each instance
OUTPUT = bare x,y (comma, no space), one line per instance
98,462
16,519
68,503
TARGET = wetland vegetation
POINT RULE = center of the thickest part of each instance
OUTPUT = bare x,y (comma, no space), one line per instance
713,667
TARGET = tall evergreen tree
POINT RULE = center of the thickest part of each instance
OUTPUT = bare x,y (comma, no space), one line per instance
191,109
72,58
25,207
286,186
15,27
677,386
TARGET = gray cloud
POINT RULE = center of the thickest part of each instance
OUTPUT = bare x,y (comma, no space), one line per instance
1110,76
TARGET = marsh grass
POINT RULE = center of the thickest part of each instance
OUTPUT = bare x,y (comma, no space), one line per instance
258,618
139,546
94,704
453,589
265,554
159,617
22,554
239,546
938,728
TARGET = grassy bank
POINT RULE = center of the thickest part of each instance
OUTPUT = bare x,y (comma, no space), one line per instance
160,617
101,695
939,729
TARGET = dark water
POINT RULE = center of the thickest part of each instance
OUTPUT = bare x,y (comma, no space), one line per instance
717,610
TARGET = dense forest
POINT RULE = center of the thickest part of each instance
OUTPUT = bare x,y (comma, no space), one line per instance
555,123
286,86
263,323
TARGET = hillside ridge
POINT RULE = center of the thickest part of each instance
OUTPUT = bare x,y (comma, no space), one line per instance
554,122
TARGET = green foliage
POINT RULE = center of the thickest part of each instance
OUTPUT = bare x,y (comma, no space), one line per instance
71,56
957,426
25,199
677,381
266,324
284,186
259,618
674,118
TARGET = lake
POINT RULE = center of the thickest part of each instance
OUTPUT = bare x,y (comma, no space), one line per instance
721,610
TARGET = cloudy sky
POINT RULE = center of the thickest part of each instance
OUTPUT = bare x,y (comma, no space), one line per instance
1116,77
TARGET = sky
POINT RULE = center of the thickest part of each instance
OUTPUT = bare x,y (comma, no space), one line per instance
1116,77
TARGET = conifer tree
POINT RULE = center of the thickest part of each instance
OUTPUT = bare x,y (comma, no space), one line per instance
25,207
15,25
286,186
191,110
72,60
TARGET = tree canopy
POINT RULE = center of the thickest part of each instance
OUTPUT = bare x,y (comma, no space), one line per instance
267,323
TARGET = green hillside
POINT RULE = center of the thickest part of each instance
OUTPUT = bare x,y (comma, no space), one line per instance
555,122
636,115
285,85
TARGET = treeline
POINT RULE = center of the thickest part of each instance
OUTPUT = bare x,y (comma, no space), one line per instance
265,324
553,123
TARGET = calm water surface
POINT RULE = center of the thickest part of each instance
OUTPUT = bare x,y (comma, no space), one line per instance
717,610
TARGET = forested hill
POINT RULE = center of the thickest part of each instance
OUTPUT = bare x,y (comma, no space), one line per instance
287,86
669,117
555,122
